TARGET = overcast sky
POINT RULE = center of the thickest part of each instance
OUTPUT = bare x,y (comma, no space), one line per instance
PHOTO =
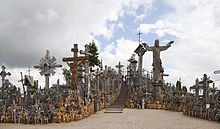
30,27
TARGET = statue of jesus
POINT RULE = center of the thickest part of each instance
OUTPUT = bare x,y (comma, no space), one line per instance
157,63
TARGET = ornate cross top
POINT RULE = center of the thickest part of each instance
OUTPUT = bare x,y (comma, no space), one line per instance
75,59
4,74
86,53
47,66
74,62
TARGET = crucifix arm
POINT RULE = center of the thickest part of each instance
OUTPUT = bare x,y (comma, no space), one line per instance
82,61
68,63
148,47
163,48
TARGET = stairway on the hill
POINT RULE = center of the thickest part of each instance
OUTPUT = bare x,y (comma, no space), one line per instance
119,104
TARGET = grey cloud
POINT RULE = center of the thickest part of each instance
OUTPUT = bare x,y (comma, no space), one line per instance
29,27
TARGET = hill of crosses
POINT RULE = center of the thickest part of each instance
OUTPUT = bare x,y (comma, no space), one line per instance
88,91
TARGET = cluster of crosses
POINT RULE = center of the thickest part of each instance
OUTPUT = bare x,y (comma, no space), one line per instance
86,93
151,91
205,101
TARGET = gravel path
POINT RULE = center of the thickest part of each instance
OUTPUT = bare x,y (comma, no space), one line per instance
129,119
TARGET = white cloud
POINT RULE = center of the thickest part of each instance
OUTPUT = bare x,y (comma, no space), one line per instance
162,27
123,49
120,25
48,17
118,9
133,5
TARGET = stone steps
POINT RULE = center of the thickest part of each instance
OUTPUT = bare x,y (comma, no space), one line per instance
119,104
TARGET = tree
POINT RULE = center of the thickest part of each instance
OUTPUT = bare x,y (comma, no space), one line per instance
184,90
93,60
178,85
67,75
164,88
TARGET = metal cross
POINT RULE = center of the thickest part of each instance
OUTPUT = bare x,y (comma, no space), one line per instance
139,36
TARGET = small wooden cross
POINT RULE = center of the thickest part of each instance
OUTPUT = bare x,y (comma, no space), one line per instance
69,102
119,66
14,110
61,106
61,102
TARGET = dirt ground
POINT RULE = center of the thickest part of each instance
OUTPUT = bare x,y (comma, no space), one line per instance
129,119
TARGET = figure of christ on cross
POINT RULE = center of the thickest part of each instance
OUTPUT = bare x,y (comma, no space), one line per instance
75,63
74,71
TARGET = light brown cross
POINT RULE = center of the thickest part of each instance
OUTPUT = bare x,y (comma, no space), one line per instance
74,62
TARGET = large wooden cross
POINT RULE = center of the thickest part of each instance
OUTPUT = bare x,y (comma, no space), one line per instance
74,62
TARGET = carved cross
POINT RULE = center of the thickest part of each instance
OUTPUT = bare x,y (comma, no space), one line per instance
47,66
74,62
4,74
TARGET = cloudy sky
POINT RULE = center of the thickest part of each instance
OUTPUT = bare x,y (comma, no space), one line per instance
30,27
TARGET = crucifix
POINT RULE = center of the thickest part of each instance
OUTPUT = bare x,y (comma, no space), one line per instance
74,62
4,74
